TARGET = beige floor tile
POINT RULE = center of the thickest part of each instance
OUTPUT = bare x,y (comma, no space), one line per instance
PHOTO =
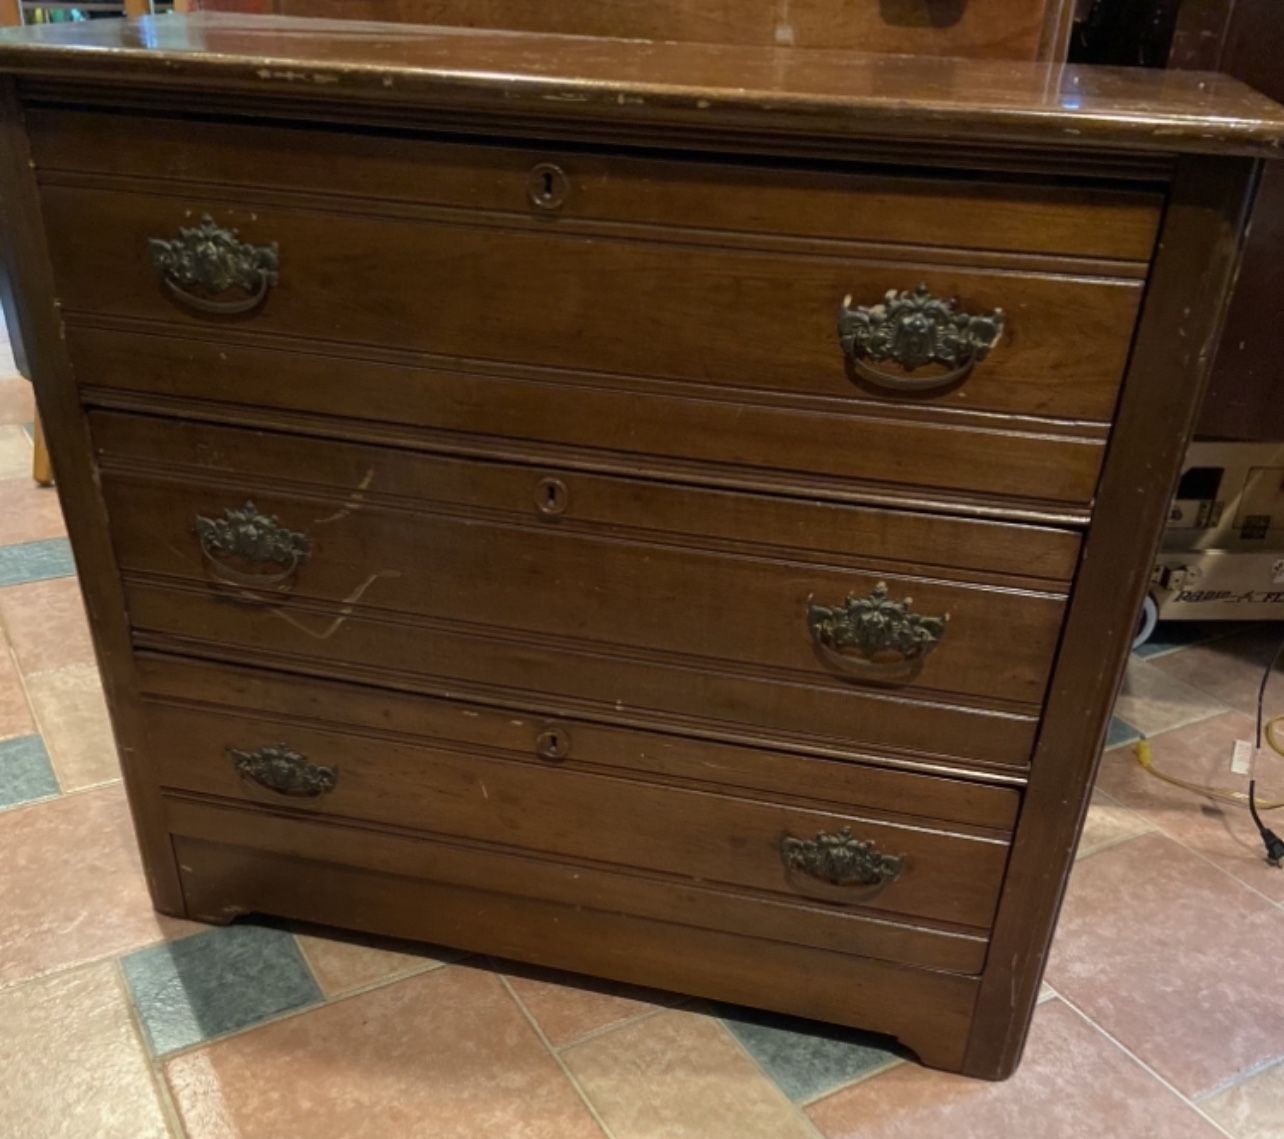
15,713
73,1066
71,712
1108,823
1222,832
444,1055
1253,1109
15,452
1072,1084
72,888
343,965
28,513
17,404
681,1076
46,624
568,1007
1165,952
1228,668
1152,701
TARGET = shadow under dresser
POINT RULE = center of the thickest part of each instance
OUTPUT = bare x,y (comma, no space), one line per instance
671,512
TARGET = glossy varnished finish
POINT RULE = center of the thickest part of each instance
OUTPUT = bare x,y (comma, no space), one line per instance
510,557
678,85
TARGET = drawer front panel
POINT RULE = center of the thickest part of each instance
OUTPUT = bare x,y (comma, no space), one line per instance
529,295
862,860
736,196
546,574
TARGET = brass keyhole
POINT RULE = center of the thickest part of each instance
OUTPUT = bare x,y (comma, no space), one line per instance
548,186
553,743
551,497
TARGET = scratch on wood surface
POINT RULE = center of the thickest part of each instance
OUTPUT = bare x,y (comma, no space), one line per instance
784,25
354,500
349,603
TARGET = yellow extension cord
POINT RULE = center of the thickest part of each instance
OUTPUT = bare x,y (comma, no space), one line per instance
1272,736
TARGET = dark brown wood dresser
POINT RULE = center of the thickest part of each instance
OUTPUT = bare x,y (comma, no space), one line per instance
666,511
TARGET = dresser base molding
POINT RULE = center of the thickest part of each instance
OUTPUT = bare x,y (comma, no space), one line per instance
928,1012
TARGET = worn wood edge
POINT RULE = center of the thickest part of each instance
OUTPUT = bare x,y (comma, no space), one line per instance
1090,164
744,112
1195,268
26,265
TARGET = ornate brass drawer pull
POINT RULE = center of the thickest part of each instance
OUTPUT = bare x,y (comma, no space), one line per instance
874,638
281,769
211,260
840,859
249,538
913,330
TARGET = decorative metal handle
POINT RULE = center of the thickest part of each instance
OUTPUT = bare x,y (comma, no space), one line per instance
874,638
840,859
912,330
251,538
281,769
212,260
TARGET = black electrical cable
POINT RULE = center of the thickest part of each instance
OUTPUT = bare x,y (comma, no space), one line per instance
1273,843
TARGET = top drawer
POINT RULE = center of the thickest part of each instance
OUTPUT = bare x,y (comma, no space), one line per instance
571,184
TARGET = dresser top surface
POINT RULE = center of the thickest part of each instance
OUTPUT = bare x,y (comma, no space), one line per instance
812,92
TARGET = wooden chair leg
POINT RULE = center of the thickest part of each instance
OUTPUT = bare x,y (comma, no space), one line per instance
41,467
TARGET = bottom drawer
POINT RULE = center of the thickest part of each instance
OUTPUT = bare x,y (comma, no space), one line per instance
234,862
560,800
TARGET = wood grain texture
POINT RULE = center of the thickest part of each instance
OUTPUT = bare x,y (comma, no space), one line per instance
853,448
531,295
29,289
1194,274
557,809
1245,397
979,800
829,201
558,676
541,579
581,80
138,446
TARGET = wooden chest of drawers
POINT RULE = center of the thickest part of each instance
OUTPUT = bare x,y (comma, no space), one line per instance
674,514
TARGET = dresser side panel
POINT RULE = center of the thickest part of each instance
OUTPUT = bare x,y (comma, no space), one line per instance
1192,279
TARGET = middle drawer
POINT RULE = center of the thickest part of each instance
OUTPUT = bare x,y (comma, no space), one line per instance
324,551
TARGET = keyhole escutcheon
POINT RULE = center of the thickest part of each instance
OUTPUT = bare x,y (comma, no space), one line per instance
554,742
548,186
551,497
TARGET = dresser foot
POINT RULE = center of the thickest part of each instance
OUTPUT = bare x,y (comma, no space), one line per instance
940,1050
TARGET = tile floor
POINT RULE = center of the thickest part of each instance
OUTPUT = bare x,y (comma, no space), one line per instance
1164,1016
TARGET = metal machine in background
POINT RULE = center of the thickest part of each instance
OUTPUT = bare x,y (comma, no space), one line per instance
1222,556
